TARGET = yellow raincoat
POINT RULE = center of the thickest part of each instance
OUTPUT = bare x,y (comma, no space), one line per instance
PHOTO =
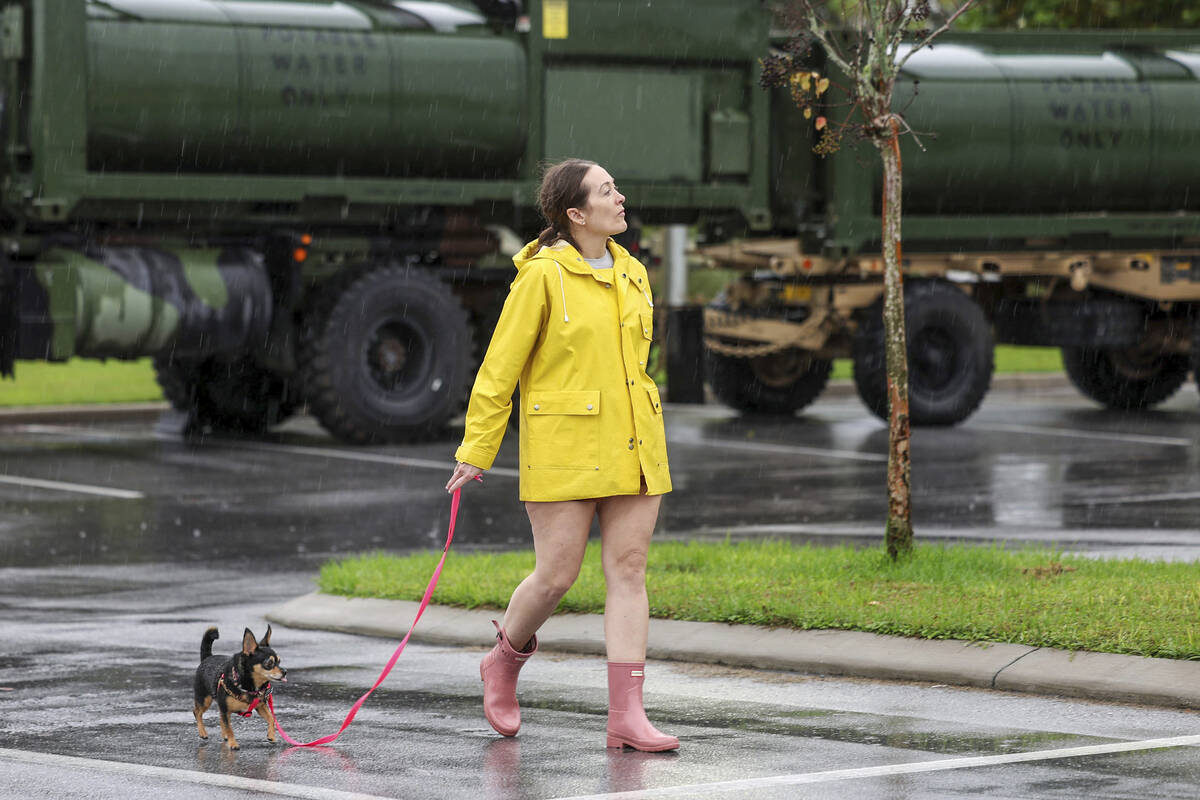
578,340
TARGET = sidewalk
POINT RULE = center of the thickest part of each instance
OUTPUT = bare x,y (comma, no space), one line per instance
1096,676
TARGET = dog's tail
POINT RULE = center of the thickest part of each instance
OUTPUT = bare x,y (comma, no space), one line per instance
210,636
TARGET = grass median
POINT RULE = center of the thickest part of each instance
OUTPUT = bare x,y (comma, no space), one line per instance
80,381
113,381
1030,597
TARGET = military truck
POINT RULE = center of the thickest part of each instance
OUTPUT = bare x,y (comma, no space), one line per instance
1052,201
294,203
308,203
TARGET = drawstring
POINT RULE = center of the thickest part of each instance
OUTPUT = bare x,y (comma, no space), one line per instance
647,296
562,289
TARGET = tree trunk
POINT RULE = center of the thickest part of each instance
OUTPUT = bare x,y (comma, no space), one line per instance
898,535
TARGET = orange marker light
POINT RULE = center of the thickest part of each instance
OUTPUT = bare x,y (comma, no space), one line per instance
299,255
306,239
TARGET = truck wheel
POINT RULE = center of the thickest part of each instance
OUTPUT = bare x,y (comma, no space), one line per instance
1126,378
950,356
237,396
780,383
387,357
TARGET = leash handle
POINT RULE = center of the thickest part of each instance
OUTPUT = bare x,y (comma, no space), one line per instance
437,573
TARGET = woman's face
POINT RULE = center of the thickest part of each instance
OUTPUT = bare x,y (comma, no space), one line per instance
604,212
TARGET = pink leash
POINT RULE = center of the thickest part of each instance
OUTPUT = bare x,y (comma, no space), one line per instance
437,572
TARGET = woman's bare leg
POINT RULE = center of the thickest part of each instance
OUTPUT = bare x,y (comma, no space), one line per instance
626,525
560,532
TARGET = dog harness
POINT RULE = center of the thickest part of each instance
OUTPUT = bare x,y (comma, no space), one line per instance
250,696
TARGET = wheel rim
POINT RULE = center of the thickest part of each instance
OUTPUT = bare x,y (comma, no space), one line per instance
396,355
1134,363
781,370
933,358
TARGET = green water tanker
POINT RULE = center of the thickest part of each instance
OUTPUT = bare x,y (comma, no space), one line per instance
310,204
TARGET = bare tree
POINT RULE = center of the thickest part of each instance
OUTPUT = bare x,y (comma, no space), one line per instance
868,42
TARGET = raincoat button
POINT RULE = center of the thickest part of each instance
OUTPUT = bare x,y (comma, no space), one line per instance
631,383
623,275
639,441
537,408
630,445
608,286
589,408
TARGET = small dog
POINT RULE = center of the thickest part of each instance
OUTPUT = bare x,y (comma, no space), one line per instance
239,683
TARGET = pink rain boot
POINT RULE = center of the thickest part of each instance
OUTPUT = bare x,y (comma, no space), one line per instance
627,723
498,671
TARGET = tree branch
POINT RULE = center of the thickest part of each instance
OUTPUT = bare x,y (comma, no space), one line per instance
832,52
945,26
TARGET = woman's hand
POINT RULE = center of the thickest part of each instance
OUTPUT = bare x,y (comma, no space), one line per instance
463,474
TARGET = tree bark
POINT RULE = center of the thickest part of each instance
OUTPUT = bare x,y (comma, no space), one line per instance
898,535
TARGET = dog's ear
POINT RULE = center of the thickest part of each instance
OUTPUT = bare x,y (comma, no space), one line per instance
249,644
266,640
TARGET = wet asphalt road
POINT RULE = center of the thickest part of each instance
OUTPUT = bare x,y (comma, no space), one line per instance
132,542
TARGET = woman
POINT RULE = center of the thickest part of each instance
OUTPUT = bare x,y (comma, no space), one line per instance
575,333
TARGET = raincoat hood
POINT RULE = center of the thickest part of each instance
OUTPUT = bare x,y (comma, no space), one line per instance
564,254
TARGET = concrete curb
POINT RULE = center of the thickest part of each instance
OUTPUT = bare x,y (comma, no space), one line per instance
1018,668
1018,383
101,412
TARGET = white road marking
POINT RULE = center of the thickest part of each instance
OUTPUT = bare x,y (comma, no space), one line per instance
80,488
1132,438
940,765
446,466
184,776
688,437
1163,497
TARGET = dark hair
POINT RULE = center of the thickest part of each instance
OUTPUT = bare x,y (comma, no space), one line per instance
562,188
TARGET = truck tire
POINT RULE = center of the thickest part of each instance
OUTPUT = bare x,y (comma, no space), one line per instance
236,396
1125,378
950,358
386,356
780,383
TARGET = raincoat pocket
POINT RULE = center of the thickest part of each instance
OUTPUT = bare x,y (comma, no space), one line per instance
647,337
655,402
657,444
562,430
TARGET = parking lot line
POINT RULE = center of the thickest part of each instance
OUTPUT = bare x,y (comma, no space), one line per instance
940,765
183,776
80,488
446,465
1131,438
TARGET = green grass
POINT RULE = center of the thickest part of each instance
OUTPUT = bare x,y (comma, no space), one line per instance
1009,359
79,381
952,592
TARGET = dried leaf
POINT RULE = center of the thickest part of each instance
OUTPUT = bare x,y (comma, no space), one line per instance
807,113
822,86
821,121
805,81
